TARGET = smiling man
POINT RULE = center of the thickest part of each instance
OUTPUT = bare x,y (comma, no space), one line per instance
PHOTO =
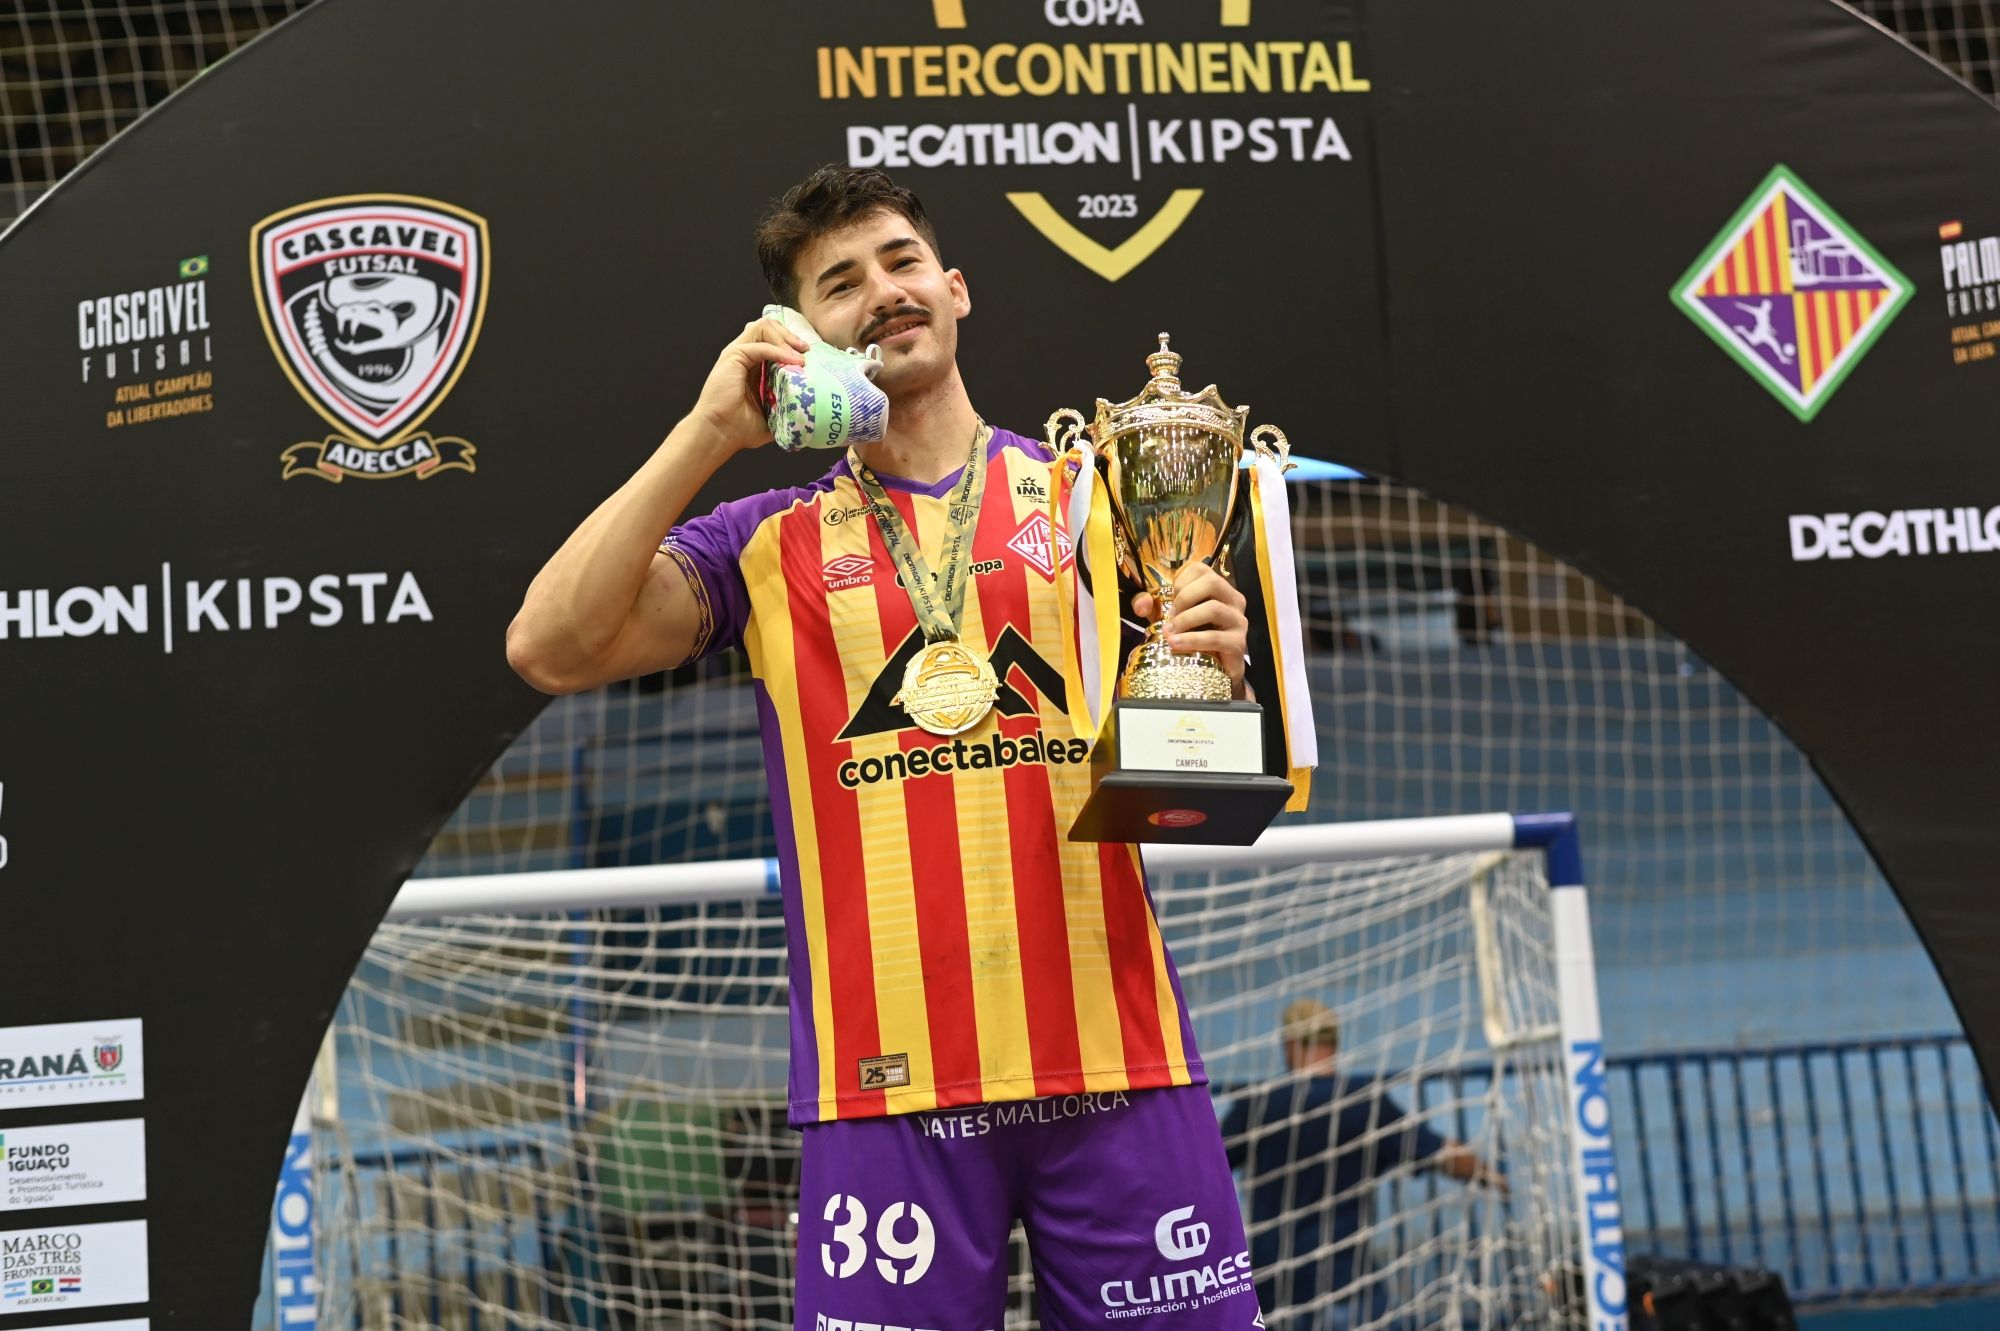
985,1024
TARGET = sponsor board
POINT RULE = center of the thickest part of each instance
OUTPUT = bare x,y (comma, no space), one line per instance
184,608
150,350
77,1164
372,304
1792,292
1136,108
72,1063
73,1266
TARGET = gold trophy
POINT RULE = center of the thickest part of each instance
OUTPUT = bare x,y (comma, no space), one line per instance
1177,759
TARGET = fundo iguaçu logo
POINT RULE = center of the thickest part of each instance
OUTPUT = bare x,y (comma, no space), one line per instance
373,304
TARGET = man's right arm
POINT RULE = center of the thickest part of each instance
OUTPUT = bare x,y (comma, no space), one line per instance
608,605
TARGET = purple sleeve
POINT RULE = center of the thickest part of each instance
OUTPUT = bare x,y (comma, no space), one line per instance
709,550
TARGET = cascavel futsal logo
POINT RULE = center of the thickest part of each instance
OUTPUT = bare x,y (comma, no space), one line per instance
1793,292
373,304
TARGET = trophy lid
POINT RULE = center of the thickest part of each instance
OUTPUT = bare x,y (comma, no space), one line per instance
1163,401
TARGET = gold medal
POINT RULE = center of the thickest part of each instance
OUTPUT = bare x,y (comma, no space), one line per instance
948,687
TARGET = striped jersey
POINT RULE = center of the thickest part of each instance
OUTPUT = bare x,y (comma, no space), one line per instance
948,944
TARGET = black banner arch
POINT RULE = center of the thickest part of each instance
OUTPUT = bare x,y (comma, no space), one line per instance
256,569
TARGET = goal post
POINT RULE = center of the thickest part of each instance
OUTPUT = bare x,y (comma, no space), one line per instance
556,1099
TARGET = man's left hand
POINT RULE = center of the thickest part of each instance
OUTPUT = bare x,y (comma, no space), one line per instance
1208,617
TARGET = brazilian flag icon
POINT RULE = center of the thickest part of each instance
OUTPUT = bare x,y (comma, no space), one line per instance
194,267
42,1287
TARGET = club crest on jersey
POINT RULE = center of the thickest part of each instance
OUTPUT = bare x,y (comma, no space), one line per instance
372,304
1031,542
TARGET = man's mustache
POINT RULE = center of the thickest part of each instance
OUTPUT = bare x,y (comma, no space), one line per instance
880,322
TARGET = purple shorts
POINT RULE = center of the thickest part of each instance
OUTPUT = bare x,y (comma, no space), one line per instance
1130,1212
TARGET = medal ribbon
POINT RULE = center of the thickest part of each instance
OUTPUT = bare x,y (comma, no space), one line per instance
938,604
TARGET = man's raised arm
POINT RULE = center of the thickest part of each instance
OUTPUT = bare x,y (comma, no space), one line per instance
608,605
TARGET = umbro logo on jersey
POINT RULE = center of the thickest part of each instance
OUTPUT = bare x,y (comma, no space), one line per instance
1011,653
1031,542
847,571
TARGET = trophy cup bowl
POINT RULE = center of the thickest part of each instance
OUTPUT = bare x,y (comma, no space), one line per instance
1178,758
1171,486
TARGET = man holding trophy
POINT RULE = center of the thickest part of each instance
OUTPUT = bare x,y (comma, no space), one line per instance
985,1023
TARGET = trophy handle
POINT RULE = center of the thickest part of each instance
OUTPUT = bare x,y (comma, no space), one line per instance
1271,442
1068,437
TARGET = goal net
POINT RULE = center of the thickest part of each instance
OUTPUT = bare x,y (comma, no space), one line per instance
542,1118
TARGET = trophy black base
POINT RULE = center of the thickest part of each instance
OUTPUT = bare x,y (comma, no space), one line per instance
1228,809
1141,788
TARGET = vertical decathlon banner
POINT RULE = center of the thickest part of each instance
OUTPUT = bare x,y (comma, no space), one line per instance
1600,1210
308,372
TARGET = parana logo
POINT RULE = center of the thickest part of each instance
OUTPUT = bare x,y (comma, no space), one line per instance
62,1066
1151,106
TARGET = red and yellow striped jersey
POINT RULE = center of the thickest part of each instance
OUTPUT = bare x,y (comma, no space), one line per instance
948,944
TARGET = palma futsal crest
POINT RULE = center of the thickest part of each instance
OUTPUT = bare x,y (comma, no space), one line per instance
1794,293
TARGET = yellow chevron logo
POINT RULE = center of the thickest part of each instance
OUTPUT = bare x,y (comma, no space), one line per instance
1109,263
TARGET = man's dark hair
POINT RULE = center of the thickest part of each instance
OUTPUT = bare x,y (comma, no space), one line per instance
830,198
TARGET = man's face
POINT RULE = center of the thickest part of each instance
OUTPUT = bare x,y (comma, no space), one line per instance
1310,1055
876,280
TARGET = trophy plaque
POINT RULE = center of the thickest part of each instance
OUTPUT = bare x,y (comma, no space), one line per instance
1177,759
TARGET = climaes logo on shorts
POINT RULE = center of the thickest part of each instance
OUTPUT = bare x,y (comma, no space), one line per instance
373,304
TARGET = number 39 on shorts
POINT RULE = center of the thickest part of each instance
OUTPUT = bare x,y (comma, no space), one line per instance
903,1261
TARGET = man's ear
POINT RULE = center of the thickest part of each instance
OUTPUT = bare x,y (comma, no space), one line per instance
961,295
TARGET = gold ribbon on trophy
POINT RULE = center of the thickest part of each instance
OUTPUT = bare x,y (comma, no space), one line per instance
949,685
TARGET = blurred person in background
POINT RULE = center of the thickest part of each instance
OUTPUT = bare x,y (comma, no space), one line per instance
1313,1146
